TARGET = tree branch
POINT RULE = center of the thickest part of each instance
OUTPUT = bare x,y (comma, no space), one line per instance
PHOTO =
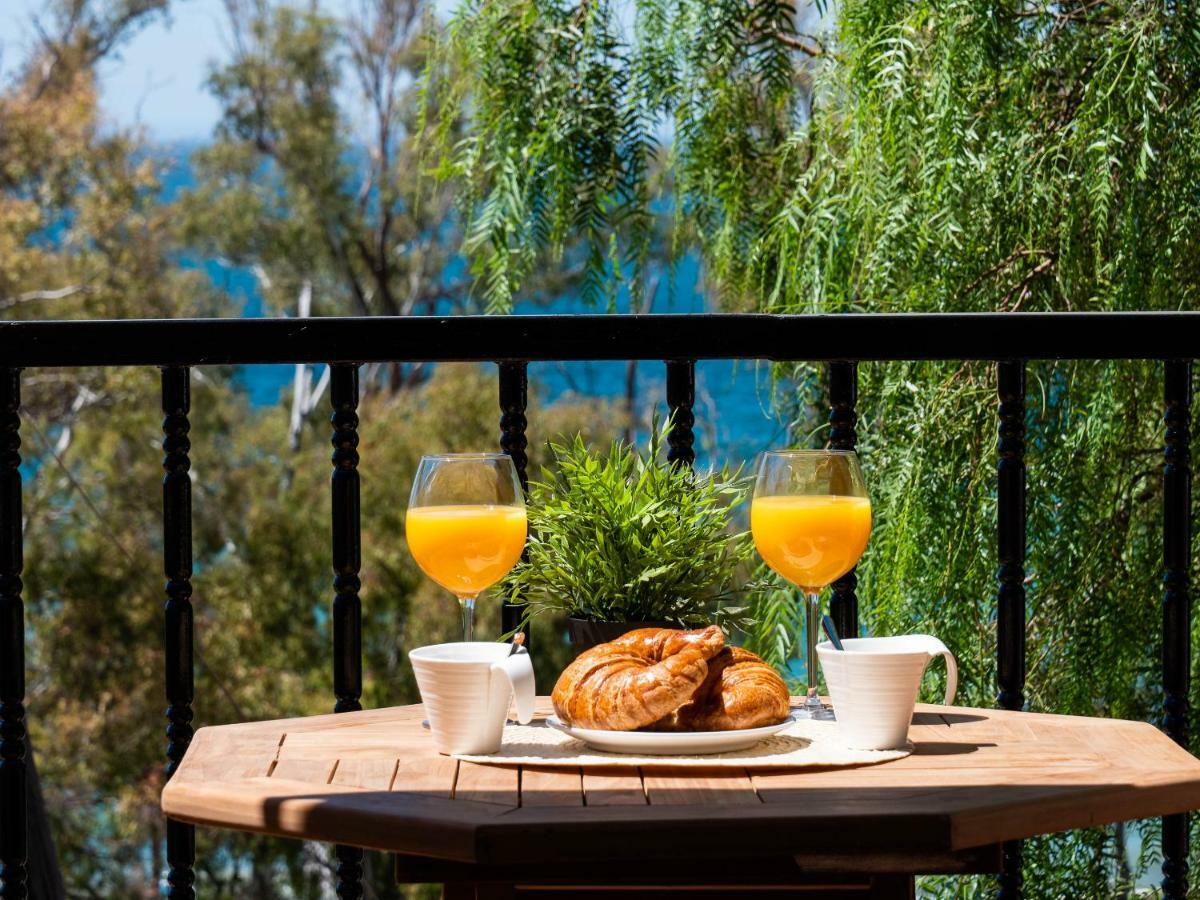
33,296
1001,266
1021,289
797,43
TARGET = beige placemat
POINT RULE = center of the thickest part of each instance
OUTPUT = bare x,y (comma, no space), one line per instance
803,744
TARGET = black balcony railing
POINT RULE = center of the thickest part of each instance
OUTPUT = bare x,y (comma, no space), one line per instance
842,341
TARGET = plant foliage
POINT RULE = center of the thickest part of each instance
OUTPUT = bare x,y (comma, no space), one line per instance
938,155
569,103
625,537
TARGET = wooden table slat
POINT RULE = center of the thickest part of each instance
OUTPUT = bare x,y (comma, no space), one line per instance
976,778
708,787
314,771
372,774
551,786
426,774
615,786
498,785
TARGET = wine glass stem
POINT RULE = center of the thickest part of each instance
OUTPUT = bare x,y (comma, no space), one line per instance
467,604
813,628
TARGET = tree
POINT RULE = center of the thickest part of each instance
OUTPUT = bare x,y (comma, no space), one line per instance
938,155
84,232
260,536
583,131
79,235
296,187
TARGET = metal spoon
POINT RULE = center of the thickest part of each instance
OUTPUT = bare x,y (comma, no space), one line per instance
517,641
827,624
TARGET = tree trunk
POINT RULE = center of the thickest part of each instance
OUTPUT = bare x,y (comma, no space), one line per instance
630,399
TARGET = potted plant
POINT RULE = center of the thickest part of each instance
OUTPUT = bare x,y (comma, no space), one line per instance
621,540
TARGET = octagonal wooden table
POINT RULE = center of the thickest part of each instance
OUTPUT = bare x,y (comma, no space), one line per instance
977,778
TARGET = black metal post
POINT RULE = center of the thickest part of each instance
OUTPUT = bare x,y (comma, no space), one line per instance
514,398
1177,613
13,804
347,560
177,566
843,394
681,397
1010,574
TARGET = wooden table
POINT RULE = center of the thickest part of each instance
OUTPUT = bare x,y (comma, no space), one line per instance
978,778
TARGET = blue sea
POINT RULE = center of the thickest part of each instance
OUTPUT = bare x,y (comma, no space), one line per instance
734,419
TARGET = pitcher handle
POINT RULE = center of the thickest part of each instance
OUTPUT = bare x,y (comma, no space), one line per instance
518,669
934,647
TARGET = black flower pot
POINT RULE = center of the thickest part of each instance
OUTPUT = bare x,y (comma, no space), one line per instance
586,634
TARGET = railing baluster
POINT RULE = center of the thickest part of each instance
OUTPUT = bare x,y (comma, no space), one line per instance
1010,574
347,560
347,556
514,398
1177,557
681,397
177,566
13,810
843,394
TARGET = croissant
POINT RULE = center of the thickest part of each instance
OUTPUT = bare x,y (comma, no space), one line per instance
637,679
741,691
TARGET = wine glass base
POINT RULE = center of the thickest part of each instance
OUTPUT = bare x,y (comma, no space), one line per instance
815,713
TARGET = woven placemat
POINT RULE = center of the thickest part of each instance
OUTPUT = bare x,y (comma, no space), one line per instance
803,744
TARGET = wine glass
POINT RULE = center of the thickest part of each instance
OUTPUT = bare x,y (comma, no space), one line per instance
811,518
466,524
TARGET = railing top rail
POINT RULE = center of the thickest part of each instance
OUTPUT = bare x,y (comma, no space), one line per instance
868,336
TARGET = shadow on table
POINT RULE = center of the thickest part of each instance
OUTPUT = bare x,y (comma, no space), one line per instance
946,748
927,718
867,827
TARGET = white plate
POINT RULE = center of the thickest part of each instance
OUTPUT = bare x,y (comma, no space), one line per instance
669,743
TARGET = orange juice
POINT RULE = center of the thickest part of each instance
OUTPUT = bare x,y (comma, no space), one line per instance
811,540
466,548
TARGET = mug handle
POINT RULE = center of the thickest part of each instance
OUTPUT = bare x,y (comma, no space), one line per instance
935,647
518,669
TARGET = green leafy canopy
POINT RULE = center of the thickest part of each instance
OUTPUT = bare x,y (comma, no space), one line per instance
885,156
568,105
625,536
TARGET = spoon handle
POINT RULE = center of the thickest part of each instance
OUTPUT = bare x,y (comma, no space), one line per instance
830,630
517,642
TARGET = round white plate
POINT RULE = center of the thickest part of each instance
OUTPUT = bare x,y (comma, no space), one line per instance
668,743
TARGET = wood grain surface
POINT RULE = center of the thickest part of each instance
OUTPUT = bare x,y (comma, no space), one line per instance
977,778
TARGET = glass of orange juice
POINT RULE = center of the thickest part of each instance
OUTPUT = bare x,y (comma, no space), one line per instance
811,518
466,524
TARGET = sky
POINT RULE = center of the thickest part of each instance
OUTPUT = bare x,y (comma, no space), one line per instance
156,80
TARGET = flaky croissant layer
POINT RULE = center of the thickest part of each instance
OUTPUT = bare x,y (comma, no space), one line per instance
637,679
670,680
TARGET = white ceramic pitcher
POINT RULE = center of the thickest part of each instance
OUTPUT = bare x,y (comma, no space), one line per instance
467,689
874,683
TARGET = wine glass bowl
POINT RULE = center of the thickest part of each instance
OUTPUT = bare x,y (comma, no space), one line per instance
811,520
466,524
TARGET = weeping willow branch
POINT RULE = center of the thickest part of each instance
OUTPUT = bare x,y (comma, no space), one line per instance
930,155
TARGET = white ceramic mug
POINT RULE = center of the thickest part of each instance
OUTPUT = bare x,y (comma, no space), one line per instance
467,689
874,684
